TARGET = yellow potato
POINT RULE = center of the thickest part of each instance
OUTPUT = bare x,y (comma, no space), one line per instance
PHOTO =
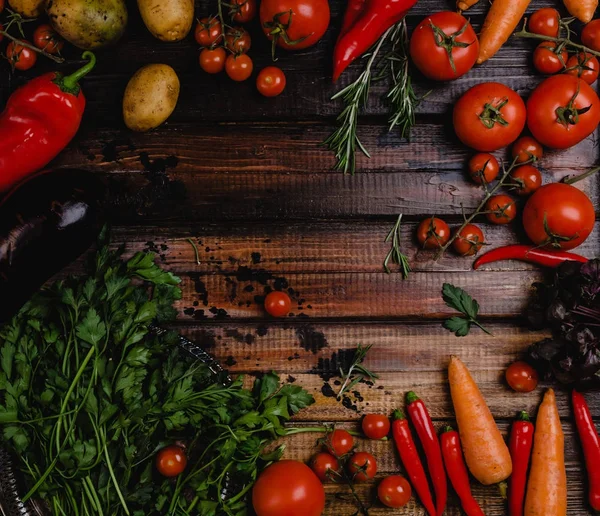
167,20
27,8
150,97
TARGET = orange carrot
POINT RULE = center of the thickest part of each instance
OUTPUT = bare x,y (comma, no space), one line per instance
485,451
463,5
582,9
547,485
500,22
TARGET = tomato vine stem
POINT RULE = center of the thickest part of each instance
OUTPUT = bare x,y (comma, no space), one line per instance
524,33
29,46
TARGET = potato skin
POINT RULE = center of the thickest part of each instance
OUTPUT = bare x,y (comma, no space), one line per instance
167,20
150,97
28,8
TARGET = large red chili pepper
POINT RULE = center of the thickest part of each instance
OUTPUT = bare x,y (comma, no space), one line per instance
457,471
354,10
39,120
591,446
411,460
419,415
377,17
530,254
521,441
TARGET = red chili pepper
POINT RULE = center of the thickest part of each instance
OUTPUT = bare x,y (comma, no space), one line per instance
419,415
39,120
591,446
377,17
411,461
521,441
457,471
530,254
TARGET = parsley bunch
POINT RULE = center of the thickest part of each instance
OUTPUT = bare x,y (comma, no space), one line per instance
88,395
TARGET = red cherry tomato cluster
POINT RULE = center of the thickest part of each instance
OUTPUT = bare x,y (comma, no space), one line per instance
22,54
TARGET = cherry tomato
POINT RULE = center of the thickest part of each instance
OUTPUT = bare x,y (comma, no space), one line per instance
469,241
212,60
562,111
527,179
527,148
239,68
489,116
483,168
521,377
339,442
376,426
362,466
46,38
278,304
208,31
394,491
547,60
288,487
303,22
270,81
171,461
590,35
444,46
242,11
237,40
501,208
324,465
585,66
546,22
433,233
558,216
20,57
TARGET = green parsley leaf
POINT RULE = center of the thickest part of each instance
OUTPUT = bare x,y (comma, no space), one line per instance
266,386
297,397
458,299
91,329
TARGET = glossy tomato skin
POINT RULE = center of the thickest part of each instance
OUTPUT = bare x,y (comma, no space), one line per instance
20,57
278,304
483,168
243,11
376,426
289,488
590,35
362,466
46,38
270,81
501,208
550,99
171,461
527,148
558,216
324,466
521,377
431,55
237,40
585,66
239,68
394,491
546,22
309,21
208,31
480,114
527,179
547,61
212,60
433,233
339,443
469,241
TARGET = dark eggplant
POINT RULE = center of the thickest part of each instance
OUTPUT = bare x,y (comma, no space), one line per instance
46,222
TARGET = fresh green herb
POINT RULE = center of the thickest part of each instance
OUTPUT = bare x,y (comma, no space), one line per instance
457,298
356,372
195,247
395,253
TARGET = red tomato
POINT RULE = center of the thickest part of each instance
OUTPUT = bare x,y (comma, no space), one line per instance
433,233
278,304
394,491
171,461
46,38
444,46
501,209
243,11
590,35
1,7
526,179
546,22
288,487
324,465
547,59
585,66
295,24
376,426
558,216
483,168
521,377
208,31
237,40
270,81
212,60
556,111
469,241
362,466
339,443
489,116
527,148
239,68
20,57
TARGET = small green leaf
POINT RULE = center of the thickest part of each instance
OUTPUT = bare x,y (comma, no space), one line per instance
459,326
266,386
297,397
91,329
7,355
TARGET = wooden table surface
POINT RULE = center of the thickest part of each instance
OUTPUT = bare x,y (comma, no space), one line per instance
247,180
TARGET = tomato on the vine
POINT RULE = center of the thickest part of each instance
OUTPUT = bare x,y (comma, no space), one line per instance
324,465
278,304
521,377
526,179
585,66
212,60
242,11
339,442
376,426
558,216
483,168
208,31
171,461
270,81
47,39
548,59
237,40
546,22
489,116
239,68
433,233
527,148
362,466
20,57
501,209
590,35
444,46
394,491
562,111
468,241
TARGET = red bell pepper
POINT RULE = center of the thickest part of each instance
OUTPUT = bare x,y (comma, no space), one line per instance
39,120
528,253
521,441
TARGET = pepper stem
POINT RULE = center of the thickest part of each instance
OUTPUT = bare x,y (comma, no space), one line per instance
523,416
70,83
411,397
398,415
447,428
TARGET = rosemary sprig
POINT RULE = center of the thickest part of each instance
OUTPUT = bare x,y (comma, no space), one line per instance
395,254
356,372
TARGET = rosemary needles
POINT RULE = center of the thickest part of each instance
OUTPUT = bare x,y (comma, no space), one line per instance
395,254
